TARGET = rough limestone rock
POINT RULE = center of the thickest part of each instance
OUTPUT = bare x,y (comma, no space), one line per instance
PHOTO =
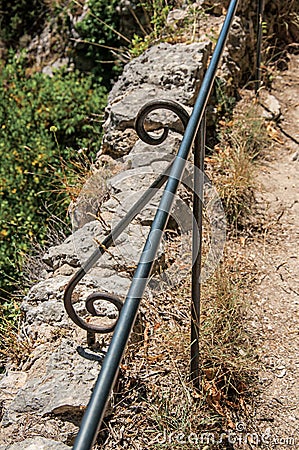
165,71
272,109
177,68
76,248
147,163
80,246
10,383
235,58
36,443
65,387
43,306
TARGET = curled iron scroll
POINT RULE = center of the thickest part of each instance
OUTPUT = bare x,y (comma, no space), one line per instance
92,328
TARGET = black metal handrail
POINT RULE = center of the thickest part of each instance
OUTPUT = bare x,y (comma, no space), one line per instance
260,13
194,134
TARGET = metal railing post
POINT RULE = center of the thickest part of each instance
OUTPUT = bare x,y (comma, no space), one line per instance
260,13
198,193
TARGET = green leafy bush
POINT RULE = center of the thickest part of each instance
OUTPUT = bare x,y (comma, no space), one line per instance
44,121
99,35
19,17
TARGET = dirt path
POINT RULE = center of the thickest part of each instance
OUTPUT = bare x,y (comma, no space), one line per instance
274,320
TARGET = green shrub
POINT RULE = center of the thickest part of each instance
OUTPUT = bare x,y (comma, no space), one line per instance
44,121
98,34
19,17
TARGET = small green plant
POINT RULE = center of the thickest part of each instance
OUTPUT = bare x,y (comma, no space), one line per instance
18,18
99,36
139,45
224,103
156,28
12,345
157,11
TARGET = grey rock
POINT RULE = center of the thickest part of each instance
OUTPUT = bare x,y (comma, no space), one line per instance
124,181
273,108
76,248
164,71
65,270
129,189
36,443
117,142
46,290
61,254
176,16
117,284
236,43
51,312
147,163
65,388
143,154
176,67
235,59
44,305
10,383
122,113
147,159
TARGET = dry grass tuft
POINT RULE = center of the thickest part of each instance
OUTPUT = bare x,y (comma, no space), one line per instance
14,345
232,165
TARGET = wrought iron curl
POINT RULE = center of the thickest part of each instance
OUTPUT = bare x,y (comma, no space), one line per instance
110,239
152,106
90,307
102,296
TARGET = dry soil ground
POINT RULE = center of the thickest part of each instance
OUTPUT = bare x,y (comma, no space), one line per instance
274,319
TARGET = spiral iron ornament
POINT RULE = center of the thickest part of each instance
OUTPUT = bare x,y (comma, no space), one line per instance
140,127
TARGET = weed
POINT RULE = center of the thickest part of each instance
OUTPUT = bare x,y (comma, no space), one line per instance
157,12
159,29
13,345
231,166
17,18
282,24
224,103
99,38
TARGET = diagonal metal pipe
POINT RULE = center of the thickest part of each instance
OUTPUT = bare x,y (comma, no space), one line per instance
95,411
